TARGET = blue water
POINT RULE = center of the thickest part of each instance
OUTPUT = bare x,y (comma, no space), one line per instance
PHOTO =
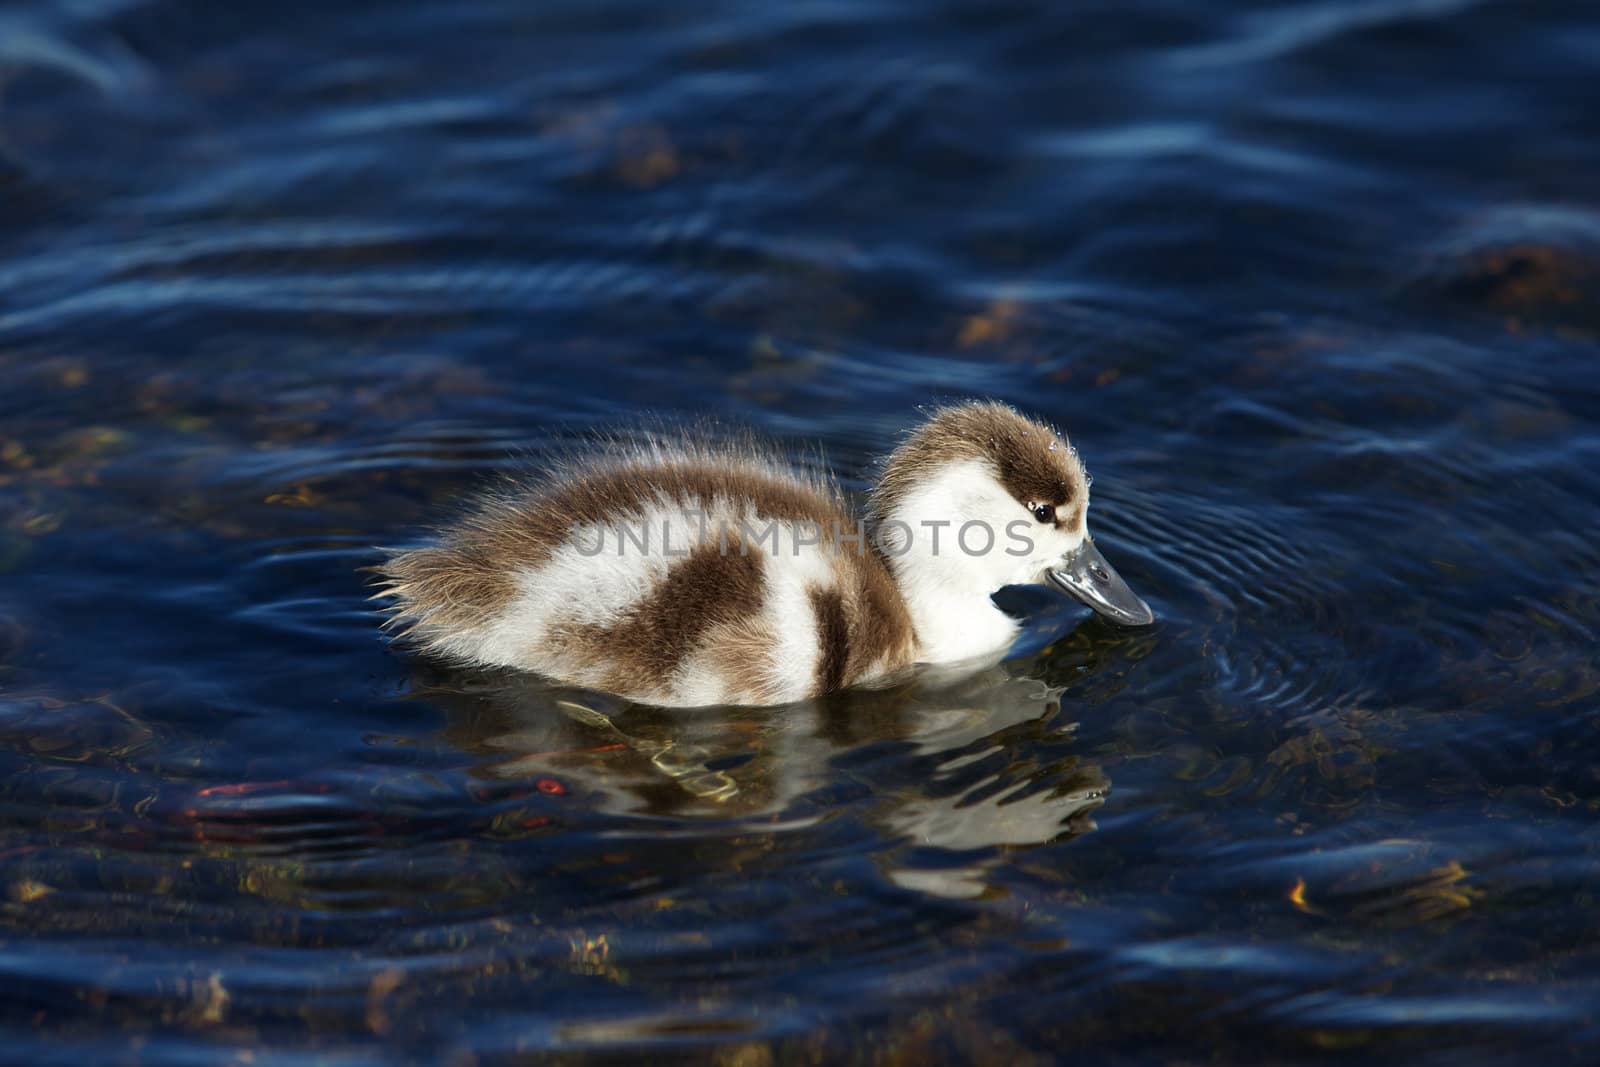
1314,287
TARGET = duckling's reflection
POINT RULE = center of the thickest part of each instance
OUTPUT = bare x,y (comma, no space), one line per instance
963,765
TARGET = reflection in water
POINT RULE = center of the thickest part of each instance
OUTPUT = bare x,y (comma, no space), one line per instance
941,766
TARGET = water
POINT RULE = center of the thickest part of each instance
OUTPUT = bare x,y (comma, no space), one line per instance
1312,286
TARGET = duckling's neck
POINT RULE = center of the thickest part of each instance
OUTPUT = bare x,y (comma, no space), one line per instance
953,623
946,588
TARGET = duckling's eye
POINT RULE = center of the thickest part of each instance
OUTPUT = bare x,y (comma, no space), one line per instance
1044,512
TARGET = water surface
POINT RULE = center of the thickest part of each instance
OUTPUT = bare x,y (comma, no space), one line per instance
1313,287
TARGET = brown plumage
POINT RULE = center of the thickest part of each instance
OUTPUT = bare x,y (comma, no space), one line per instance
1032,461
468,575
707,605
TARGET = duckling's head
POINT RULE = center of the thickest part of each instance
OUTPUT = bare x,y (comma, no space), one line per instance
979,497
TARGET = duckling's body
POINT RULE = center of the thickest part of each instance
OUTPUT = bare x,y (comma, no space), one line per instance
684,574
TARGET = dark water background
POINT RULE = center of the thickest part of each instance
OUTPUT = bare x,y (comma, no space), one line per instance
1315,287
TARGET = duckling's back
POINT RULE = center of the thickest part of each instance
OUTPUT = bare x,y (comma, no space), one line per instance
667,573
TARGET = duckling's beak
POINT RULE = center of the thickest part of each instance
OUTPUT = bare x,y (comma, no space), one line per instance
1085,574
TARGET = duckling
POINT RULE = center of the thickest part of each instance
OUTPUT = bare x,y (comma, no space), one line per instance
681,573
